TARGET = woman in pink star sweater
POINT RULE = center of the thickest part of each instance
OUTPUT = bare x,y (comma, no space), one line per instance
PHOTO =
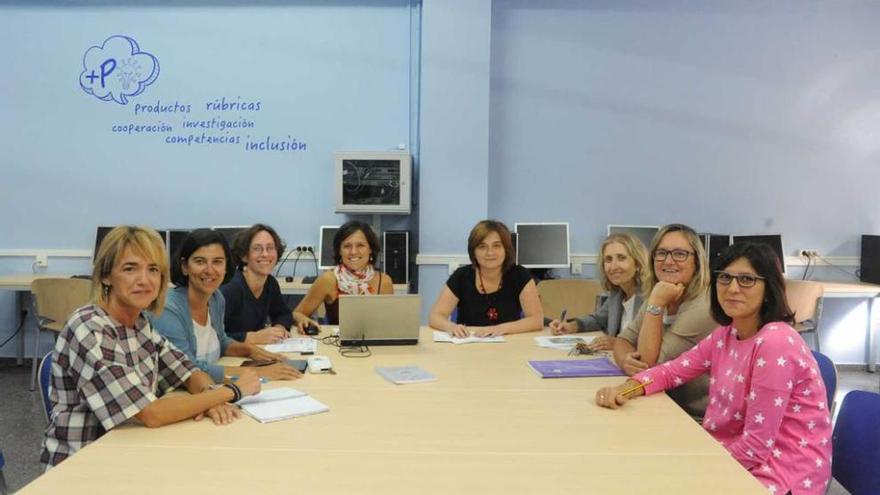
767,401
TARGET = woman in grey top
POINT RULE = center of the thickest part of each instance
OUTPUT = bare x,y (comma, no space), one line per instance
623,272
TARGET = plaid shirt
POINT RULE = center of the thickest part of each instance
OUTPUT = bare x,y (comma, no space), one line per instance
103,374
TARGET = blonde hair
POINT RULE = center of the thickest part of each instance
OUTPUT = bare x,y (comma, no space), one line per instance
699,284
143,241
636,250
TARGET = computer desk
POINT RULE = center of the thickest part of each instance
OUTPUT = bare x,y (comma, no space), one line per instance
488,424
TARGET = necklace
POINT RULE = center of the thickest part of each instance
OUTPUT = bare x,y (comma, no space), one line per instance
492,311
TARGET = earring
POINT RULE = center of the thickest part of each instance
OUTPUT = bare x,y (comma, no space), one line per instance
106,289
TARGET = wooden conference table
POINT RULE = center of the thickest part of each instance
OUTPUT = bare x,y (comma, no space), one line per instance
488,424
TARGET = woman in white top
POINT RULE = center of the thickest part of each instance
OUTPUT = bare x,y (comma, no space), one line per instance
194,311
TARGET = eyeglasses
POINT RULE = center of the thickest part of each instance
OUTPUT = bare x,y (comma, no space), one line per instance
677,254
743,279
259,249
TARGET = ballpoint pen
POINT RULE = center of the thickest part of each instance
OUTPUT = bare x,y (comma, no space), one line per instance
234,378
635,388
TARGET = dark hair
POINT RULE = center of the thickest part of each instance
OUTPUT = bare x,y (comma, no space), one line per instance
482,230
766,264
348,229
193,242
241,244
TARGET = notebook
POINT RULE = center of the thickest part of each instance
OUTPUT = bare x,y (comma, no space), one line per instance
440,336
280,403
570,368
379,320
401,375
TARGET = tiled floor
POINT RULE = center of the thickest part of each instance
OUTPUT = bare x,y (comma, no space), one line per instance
22,423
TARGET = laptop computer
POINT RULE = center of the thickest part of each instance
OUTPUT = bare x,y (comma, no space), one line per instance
379,320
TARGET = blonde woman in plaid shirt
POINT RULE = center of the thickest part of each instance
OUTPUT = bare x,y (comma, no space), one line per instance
109,366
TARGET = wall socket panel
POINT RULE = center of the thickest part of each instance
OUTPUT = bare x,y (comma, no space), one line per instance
41,260
577,268
809,252
304,248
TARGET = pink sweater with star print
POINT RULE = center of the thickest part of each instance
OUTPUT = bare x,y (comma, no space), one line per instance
767,404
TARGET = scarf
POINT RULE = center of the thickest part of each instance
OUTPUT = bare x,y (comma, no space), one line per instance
352,282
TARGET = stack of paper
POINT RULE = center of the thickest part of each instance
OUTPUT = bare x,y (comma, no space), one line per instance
564,342
405,374
295,344
280,403
473,339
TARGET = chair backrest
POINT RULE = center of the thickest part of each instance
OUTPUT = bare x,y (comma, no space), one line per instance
56,298
804,297
829,376
856,443
45,376
577,296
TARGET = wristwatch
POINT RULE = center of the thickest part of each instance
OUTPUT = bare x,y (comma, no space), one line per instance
654,310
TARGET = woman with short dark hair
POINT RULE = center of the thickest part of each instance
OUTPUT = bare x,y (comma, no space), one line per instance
355,250
493,295
195,309
767,399
255,309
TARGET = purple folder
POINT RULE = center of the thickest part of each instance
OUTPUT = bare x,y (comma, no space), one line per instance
569,368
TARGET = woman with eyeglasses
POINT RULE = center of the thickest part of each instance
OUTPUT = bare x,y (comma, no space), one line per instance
675,315
623,272
355,249
255,309
767,399
493,295
195,310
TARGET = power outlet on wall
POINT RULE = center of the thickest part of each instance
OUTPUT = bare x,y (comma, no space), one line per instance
809,253
41,261
577,268
305,248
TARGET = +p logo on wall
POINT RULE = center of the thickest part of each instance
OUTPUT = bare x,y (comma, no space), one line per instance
117,70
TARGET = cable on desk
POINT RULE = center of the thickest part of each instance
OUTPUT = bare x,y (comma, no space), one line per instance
851,274
278,269
361,350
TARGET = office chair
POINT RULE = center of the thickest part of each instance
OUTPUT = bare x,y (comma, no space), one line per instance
54,300
856,443
4,489
45,376
805,299
829,376
577,296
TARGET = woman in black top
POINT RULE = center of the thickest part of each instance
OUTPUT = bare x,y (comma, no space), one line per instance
491,294
255,309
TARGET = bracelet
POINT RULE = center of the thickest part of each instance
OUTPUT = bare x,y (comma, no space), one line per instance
236,392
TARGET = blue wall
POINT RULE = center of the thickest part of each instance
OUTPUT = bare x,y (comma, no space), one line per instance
735,117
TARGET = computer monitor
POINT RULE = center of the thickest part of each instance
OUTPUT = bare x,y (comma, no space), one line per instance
373,182
714,244
542,245
644,233
229,231
173,239
325,247
773,240
100,233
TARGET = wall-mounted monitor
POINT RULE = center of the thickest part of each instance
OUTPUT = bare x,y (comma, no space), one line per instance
644,233
325,247
714,244
773,240
542,245
373,182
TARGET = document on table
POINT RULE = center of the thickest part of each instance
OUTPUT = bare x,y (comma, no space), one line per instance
570,368
294,344
473,339
401,375
279,404
564,342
